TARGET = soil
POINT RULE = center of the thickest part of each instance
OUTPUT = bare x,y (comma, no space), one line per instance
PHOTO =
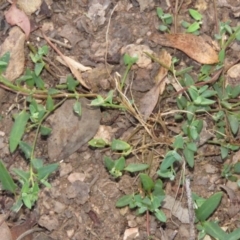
80,205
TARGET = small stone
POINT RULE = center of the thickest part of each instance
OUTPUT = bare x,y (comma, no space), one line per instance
76,176
130,233
48,222
210,169
58,207
65,169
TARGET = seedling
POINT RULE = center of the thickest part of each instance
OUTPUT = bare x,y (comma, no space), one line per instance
195,26
166,19
151,200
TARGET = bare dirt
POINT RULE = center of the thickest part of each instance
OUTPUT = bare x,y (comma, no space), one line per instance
81,203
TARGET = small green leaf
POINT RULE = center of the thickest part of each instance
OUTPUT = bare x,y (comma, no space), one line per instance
43,50
195,14
37,163
185,24
169,159
178,142
208,207
160,12
6,179
120,164
236,167
49,103
193,27
4,60
26,149
234,124
109,163
189,156
224,152
38,68
221,55
77,108
98,101
212,229
147,182
136,167
163,28
128,60
71,83
98,142
160,215
45,131
124,200
18,130
38,81
22,174
46,170
119,145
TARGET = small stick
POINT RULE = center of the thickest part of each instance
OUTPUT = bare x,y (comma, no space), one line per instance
190,209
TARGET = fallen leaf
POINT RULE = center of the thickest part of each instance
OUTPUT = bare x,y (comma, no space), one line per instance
4,229
15,16
73,69
69,131
194,46
74,63
149,101
29,7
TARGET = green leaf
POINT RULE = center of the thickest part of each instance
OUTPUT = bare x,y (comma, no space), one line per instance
6,179
178,142
120,164
71,83
124,200
224,152
189,156
158,189
193,92
193,27
53,91
44,171
26,149
38,81
37,163
119,145
234,235
77,108
233,122
169,159
160,215
109,163
4,60
43,50
128,60
49,103
45,131
185,24
221,55
98,101
236,167
98,142
18,130
195,14
38,68
160,12
208,207
163,28
212,229
192,146
22,174
136,167
147,182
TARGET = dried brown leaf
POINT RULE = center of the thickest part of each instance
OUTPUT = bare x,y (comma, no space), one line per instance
15,16
194,46
149,101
